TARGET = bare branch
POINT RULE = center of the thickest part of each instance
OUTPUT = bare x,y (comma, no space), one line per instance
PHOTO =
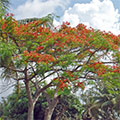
41,90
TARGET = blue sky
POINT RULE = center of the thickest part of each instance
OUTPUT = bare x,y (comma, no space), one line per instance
16,3
99,14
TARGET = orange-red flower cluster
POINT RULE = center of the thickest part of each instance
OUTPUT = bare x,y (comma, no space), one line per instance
101,69
116,68
63,83
3,26
81,85
37,57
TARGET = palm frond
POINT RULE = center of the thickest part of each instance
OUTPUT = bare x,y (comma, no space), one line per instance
47,20
5,4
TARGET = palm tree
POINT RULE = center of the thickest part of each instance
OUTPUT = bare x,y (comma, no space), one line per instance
4,4
100,104
47,21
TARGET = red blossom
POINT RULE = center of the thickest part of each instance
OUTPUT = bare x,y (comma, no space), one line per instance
7,15
39,48
11,14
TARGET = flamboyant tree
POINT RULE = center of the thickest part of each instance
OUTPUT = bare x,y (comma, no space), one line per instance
62,59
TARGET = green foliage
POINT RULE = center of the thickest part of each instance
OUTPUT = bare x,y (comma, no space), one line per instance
72,105
19,107
41,68
6,52
4,6
100,102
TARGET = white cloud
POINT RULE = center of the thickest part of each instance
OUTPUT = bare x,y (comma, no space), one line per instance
98,14
38,8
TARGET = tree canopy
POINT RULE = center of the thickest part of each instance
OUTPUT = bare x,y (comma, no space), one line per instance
63,58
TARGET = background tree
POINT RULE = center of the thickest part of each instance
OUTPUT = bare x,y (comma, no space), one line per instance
47,21
100,103
68,107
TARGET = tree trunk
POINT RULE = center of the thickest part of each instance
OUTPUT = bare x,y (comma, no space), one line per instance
31,103
57,118
48,113
30,112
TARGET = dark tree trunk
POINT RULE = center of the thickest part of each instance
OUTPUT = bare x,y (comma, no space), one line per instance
59,115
